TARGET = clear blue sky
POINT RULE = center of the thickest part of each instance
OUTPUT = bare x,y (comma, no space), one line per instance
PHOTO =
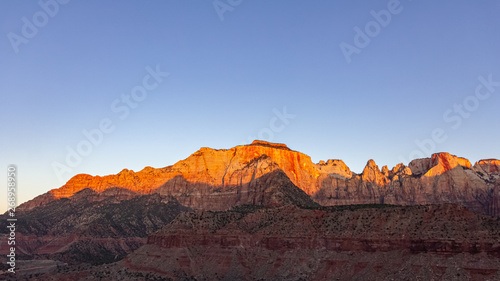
230,71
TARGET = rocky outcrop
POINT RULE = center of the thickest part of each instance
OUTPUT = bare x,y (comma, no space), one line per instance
141,182
420,166
372,174
490,166
399,171
488,169
443,162
437,164
335,168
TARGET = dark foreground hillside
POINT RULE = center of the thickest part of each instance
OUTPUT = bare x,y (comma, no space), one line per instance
370,242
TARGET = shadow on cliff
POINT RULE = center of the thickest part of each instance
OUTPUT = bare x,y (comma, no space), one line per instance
91,227
270,190
461,185
458,185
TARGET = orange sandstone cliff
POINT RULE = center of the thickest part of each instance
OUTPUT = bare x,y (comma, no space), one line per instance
218,179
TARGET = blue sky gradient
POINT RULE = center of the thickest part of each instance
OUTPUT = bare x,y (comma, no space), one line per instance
230,73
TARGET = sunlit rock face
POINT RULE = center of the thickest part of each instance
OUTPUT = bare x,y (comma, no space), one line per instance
437,164
442,178
371,173
334,167
218,179
241,164
443,162
489,166
400,170
208,174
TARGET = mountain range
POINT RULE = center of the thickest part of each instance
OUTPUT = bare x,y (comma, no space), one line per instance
218,179
263,199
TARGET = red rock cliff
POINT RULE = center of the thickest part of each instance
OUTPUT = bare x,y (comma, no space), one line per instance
219,178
